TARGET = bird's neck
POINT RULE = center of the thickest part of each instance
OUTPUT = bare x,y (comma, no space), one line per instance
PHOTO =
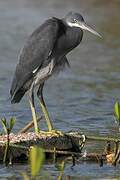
74,35
68,38
73,29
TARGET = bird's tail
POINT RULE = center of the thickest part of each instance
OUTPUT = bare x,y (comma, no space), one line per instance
16,91
17,96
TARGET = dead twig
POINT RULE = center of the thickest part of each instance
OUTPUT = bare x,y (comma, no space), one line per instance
29,126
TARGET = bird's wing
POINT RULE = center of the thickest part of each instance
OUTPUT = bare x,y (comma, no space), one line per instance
35,53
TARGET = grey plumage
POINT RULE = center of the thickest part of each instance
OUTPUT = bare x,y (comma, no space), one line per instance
42,46
34,54
43,55
48,43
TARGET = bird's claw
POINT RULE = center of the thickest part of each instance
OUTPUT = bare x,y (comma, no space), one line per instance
56,132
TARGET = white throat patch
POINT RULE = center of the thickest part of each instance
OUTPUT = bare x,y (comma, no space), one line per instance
73,24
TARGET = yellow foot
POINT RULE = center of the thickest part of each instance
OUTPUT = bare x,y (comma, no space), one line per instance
57,132
54,132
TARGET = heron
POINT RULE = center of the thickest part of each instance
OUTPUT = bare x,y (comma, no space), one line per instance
43,54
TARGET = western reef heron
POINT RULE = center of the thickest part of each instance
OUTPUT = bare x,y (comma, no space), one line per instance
44,53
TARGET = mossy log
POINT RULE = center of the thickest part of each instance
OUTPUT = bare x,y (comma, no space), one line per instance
66,144
21,143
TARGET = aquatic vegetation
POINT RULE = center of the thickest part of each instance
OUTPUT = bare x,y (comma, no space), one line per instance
117,113
36,161
7,126
61,168
37,158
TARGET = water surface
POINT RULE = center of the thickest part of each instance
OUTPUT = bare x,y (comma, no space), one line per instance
81,98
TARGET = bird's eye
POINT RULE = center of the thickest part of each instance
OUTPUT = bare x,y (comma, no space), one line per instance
75,20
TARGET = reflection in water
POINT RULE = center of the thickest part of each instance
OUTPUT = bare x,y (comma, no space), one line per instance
82,97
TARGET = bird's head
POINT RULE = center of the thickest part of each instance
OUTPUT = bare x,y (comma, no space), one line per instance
73,19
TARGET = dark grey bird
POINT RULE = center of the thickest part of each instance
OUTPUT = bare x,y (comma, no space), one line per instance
43,54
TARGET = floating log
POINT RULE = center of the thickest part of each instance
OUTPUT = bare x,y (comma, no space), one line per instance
20,143
66,144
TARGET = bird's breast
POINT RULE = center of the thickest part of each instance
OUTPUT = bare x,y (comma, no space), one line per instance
44,73
69,40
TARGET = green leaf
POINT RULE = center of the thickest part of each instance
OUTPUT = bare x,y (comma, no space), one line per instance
25,176
4,124
12,122
37,158
117,112
61,166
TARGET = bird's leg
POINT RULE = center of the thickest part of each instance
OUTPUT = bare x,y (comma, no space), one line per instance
32,105
44,108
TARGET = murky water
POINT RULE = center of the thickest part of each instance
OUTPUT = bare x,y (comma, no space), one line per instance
80,98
